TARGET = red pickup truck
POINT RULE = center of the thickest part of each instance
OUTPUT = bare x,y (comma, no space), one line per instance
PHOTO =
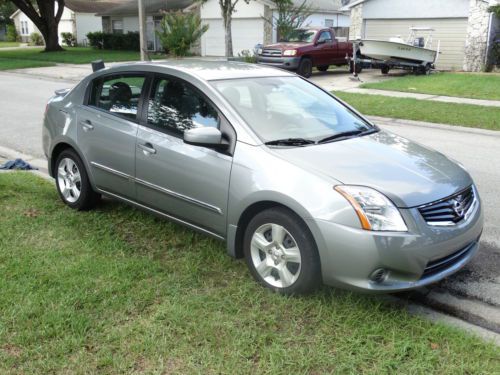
307,48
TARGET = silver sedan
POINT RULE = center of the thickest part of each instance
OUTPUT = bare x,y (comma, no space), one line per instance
298,183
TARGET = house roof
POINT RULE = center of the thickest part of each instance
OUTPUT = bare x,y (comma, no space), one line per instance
86,6
152,7
352,4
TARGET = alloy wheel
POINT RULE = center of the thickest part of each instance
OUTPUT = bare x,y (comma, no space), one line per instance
275,255
69,180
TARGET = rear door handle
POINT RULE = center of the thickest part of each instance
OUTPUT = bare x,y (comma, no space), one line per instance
87,125
147,148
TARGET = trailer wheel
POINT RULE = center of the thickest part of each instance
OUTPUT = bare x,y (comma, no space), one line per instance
385,69
359,68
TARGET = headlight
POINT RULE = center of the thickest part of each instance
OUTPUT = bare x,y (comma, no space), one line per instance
290,52
374,210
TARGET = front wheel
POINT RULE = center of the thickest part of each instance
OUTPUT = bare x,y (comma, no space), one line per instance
305,67
281,253
73,183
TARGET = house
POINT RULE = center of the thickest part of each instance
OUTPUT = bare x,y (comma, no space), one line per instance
464,28
124,18
249,26
78,18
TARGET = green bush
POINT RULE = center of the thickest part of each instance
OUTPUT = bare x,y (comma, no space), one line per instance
247,56
124,42
69,39
12,35
36,39
180,31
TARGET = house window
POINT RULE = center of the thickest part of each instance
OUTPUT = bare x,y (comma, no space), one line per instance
328,23
24,28
117,26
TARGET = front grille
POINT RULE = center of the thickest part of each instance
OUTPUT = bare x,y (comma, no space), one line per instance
441,264
271,52
449,211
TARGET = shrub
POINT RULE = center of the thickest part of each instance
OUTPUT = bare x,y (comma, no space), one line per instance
36,39
12,35
69,39
126,42
247,56
180,31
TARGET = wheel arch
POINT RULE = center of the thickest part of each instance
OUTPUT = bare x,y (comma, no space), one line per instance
60,146
236,236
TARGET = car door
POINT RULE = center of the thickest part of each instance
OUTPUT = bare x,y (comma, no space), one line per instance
325,47
107,130
188,182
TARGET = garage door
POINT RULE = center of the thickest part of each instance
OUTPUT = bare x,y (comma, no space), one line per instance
450,31
246,34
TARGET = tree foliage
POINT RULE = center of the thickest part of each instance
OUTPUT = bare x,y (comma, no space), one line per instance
289,18
179,31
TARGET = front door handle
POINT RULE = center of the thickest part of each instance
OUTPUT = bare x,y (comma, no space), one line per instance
87,125
147,148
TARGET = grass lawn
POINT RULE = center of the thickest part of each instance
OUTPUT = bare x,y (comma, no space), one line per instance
473,116
116,290
16,59
8,44
467,85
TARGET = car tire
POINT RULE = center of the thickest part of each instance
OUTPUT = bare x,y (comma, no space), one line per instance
305,67
323,68
73,183
281,253
385,69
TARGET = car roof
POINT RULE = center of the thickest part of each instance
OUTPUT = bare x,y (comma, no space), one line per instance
210,70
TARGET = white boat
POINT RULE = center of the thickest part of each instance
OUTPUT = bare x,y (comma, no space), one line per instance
415,50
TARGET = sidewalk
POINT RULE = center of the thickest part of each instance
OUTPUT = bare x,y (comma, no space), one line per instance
431,97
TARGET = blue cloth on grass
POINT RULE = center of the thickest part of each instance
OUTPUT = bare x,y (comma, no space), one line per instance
17,164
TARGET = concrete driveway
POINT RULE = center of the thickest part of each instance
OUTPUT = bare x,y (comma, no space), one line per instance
473,294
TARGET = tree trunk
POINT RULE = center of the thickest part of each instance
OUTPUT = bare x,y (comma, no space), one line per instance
51,39
227,35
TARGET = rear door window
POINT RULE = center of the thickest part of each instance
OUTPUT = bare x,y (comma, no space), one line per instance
118,94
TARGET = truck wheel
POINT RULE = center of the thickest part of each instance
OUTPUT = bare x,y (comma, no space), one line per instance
322,68
305,67
384,69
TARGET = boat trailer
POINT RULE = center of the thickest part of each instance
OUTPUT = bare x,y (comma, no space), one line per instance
358,62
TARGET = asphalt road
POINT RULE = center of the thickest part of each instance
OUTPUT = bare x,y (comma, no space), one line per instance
473,293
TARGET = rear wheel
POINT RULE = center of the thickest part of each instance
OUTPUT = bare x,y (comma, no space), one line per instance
322,68
73,183
281,253
305,67
385,69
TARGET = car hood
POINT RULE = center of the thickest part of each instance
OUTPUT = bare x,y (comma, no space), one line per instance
286,45
406,172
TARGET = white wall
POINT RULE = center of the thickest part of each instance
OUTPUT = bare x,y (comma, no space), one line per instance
86,23
211,10
415,9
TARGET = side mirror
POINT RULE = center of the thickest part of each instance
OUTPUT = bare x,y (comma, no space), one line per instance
320,41
204,136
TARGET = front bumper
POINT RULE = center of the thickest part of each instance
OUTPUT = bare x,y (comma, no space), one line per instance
350,257
291,63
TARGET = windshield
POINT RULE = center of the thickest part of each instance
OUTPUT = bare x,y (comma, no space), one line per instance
301,35
289,108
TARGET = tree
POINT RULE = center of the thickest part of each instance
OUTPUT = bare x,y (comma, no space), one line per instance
180,31
43,14
290,17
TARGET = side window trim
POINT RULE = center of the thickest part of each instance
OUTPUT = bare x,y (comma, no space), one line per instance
100,80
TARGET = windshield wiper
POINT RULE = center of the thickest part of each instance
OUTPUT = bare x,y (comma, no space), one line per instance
290,142
347,134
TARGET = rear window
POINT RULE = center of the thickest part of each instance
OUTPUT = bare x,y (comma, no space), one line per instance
118,94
